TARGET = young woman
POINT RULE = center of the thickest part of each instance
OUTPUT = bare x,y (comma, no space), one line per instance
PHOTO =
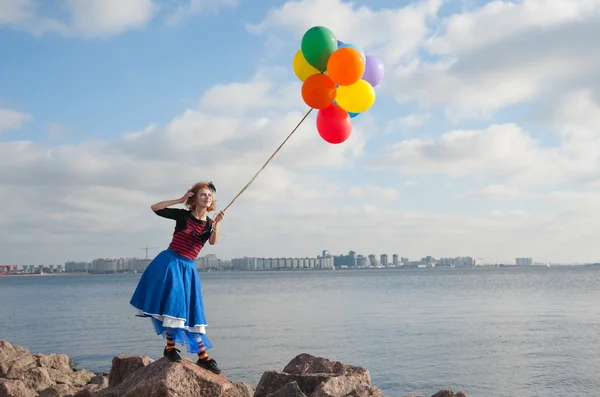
169,291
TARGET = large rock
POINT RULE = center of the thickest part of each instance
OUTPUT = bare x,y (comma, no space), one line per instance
14,388
52,375
317,377
8,355
43,375
166,379
123,366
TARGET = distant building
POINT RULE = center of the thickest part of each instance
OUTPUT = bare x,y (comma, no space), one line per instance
362,261
395,262
373,260
254,263
349,260
383,260
524,261
77,266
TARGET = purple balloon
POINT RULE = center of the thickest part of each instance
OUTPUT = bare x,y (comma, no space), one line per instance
340,43
373,70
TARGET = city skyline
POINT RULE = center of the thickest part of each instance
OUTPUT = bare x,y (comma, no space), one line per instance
352,259
482,139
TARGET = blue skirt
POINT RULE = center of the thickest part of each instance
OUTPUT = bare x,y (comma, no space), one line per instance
170,293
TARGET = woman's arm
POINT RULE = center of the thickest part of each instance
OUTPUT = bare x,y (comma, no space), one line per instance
167,203
214,236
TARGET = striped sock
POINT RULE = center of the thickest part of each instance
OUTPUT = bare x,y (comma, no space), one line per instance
202,354
170,344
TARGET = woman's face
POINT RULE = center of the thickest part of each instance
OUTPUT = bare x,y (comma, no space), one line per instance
204,198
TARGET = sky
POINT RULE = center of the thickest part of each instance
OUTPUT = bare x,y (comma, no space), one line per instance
483,141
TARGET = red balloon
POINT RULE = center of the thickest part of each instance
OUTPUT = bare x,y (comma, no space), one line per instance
334,124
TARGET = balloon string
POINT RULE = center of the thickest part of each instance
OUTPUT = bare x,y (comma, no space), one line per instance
269,160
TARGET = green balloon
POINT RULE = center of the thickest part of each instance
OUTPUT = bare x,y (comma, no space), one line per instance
318,43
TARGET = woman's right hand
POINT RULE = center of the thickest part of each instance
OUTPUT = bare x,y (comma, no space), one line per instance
184,198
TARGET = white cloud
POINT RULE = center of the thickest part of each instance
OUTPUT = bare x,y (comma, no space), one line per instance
392,34
109,17
191,7
408,122
90,18
12,120
94,191
373,192
506,157
504,54
499,149
488,25
13,11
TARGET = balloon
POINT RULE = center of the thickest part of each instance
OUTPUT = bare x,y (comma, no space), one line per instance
346,66
302,69
353,115
318,43
334,124
318,91
357,48
356,98
340,43
373,71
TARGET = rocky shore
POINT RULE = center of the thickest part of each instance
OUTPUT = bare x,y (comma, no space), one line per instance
53,375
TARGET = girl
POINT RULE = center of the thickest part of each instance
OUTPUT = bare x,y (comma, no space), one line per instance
169,290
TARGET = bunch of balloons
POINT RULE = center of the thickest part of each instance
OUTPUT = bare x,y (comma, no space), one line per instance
338,80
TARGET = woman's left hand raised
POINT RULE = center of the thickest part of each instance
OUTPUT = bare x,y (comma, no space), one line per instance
219,217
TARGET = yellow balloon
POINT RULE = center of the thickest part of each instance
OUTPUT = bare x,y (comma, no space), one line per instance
302,68
356,98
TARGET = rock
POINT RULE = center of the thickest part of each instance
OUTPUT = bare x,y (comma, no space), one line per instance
245,389
345,386
20,366
43,375
123,366
37,379
318,377
61,362
8,354
166,379
14,388
444,393
59,390
77,379
52,375
84,393
289,390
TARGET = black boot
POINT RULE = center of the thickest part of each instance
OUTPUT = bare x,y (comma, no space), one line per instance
209,364
172,355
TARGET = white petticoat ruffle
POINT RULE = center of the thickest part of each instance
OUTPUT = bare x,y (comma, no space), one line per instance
174,322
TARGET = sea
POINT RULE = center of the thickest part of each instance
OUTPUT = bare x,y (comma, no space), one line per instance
487,331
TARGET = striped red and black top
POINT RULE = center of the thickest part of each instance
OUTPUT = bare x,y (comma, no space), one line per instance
190,234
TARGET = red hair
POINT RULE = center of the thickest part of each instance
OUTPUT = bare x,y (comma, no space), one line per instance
191,201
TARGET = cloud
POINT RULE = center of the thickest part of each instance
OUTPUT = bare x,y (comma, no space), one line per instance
393,34
191,7
92,192
408,122
499,149
373,192
88,18
521,52
108,17
12,120
487,25
505,155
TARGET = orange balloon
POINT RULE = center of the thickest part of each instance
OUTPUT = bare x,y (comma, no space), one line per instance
318,91
346,66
